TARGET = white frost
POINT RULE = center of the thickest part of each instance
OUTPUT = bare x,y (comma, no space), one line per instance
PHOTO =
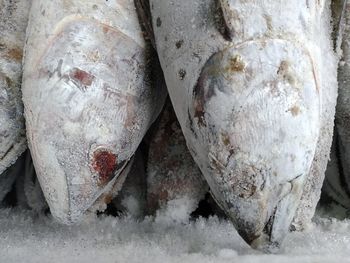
26,238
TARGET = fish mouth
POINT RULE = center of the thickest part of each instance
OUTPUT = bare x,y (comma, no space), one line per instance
278,225
255,121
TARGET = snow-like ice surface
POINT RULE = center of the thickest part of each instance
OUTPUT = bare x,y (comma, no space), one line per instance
28,238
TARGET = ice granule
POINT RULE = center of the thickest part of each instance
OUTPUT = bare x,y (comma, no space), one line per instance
25,237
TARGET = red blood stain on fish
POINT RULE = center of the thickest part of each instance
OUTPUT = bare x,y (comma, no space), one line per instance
104,163
82,77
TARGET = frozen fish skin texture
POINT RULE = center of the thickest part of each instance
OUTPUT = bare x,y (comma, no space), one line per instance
13,24
175,184
253,84
337,184
335,188
327,64
28,191
8,178
87,96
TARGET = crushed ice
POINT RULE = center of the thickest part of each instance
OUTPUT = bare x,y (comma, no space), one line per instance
26,237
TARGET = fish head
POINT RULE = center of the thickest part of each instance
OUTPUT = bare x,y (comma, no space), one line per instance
91,108
255,123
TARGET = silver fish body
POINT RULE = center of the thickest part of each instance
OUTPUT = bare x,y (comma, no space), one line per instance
87,96
13,24
253,84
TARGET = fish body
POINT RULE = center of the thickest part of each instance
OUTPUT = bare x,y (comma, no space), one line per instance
13,24
175,184
253,84
337,183
87,96
9,177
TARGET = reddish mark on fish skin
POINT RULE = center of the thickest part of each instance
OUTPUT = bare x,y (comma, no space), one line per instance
15,54
104,163
81,76
106,29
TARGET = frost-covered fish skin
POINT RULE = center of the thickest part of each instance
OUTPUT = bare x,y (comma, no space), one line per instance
337,183
253,84
174,181
87,96
312,189
13,24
